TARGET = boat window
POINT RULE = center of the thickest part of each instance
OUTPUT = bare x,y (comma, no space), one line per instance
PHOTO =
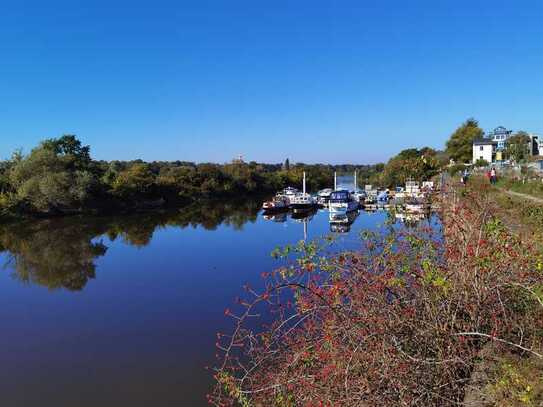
339,195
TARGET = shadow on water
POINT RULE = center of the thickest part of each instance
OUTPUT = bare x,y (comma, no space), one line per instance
61,253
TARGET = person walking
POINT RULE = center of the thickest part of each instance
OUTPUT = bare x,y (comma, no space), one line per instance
493,177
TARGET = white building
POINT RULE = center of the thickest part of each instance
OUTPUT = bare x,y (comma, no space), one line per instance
484,149
500,135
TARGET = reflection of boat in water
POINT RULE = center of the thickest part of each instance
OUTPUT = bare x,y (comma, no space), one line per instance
414,205
278,217
301,215
304,217
410,218
341,223
370,207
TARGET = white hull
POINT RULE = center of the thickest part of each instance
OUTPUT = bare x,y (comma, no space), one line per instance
343,207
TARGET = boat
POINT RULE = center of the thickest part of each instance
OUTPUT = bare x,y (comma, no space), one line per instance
323,196
412,189
278,203
382,197
302,201
358,195
289,193
342,202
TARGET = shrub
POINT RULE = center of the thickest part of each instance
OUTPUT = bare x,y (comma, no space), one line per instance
401,322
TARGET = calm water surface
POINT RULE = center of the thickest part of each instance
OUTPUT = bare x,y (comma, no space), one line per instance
123,311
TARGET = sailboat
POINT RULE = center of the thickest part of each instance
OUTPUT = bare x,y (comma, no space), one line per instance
358,195
302,201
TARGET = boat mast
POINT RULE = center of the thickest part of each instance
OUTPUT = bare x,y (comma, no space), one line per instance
335,180
355,183
304,182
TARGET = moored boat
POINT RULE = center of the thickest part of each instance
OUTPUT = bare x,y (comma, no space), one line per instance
342,202
278,203
323,196
302,201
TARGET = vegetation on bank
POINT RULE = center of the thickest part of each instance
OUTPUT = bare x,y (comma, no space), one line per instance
407,320
59,177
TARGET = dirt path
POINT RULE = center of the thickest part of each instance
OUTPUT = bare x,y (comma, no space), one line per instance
528,197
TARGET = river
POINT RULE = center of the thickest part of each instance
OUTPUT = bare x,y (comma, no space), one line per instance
123,311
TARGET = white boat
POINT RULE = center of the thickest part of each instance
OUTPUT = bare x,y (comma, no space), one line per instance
302,201
342,202
428,186
358,195
412,189
289,193
323,196
278,203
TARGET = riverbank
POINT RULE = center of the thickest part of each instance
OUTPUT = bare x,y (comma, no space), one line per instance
403,321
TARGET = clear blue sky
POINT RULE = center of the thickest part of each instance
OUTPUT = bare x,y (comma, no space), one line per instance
315,81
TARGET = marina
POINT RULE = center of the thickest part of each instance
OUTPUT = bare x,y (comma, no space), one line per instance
408,202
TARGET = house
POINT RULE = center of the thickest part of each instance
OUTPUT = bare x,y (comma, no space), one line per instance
485,149
500,135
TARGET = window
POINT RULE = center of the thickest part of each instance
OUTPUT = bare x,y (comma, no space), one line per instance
481,148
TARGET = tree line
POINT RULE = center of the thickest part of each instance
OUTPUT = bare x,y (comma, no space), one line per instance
59,176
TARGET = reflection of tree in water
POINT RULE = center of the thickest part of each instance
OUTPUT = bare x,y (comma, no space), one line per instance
61,253
51,254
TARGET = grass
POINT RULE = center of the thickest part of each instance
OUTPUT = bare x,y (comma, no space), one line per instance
533,188
516,381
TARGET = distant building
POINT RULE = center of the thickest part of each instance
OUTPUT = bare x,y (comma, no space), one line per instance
500,135
485,149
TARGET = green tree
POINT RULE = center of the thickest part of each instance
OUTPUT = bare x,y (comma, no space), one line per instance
481,163
460,144
518,147
70,149
50,180
410,164
138,180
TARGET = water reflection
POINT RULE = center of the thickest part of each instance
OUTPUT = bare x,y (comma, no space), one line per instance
43,254
341,223
61,253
